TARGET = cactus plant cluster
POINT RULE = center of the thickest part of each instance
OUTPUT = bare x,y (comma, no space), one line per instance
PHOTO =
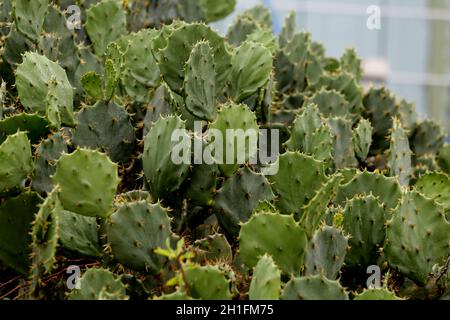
88,177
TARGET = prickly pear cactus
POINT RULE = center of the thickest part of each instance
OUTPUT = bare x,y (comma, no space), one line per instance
16,217
417,237
313,288
206,282
15,160
134,231
98,284
42,82
277,235
163,175
87,182
266,280
326,252
166,161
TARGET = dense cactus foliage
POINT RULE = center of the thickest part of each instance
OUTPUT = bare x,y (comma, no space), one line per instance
90,179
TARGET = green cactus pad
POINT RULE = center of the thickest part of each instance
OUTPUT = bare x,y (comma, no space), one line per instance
313,288
105,23
400,154
16,161
214,10
134,195
179,46
277,235
39,79
78,233
106,126
206,283
99,284
350,62
377,294
160,105
435,185
346,84
443,158
88,181
331,103
201,184
380,108
427,138
239,196
326,252
310,136
417,237
362,138
214,248
240,29
266,280
200,82
251,65
141,71
236,117
92,84
16,217
163,175
364,218
34,125
44,236
296,182
134,231
29,16
260,14
46,155
387,190
343,151
288,29
408,116
67,55
264,37
314,212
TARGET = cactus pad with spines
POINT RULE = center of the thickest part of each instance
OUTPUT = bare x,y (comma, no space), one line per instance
362,138
363,183
364,218
29,16
313,288
400,154
134,231
206,282
163,175
105,23
16,217
251,65
200,82
295,182
436,186
37,77
326,252
239,196
277,235
16,161
179,45
417,237
106,126
88,181
99,284
238,120
266,280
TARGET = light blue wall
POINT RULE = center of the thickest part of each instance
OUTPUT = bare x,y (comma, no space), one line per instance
403,42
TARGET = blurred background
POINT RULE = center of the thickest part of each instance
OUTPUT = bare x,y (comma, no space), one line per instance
410,53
